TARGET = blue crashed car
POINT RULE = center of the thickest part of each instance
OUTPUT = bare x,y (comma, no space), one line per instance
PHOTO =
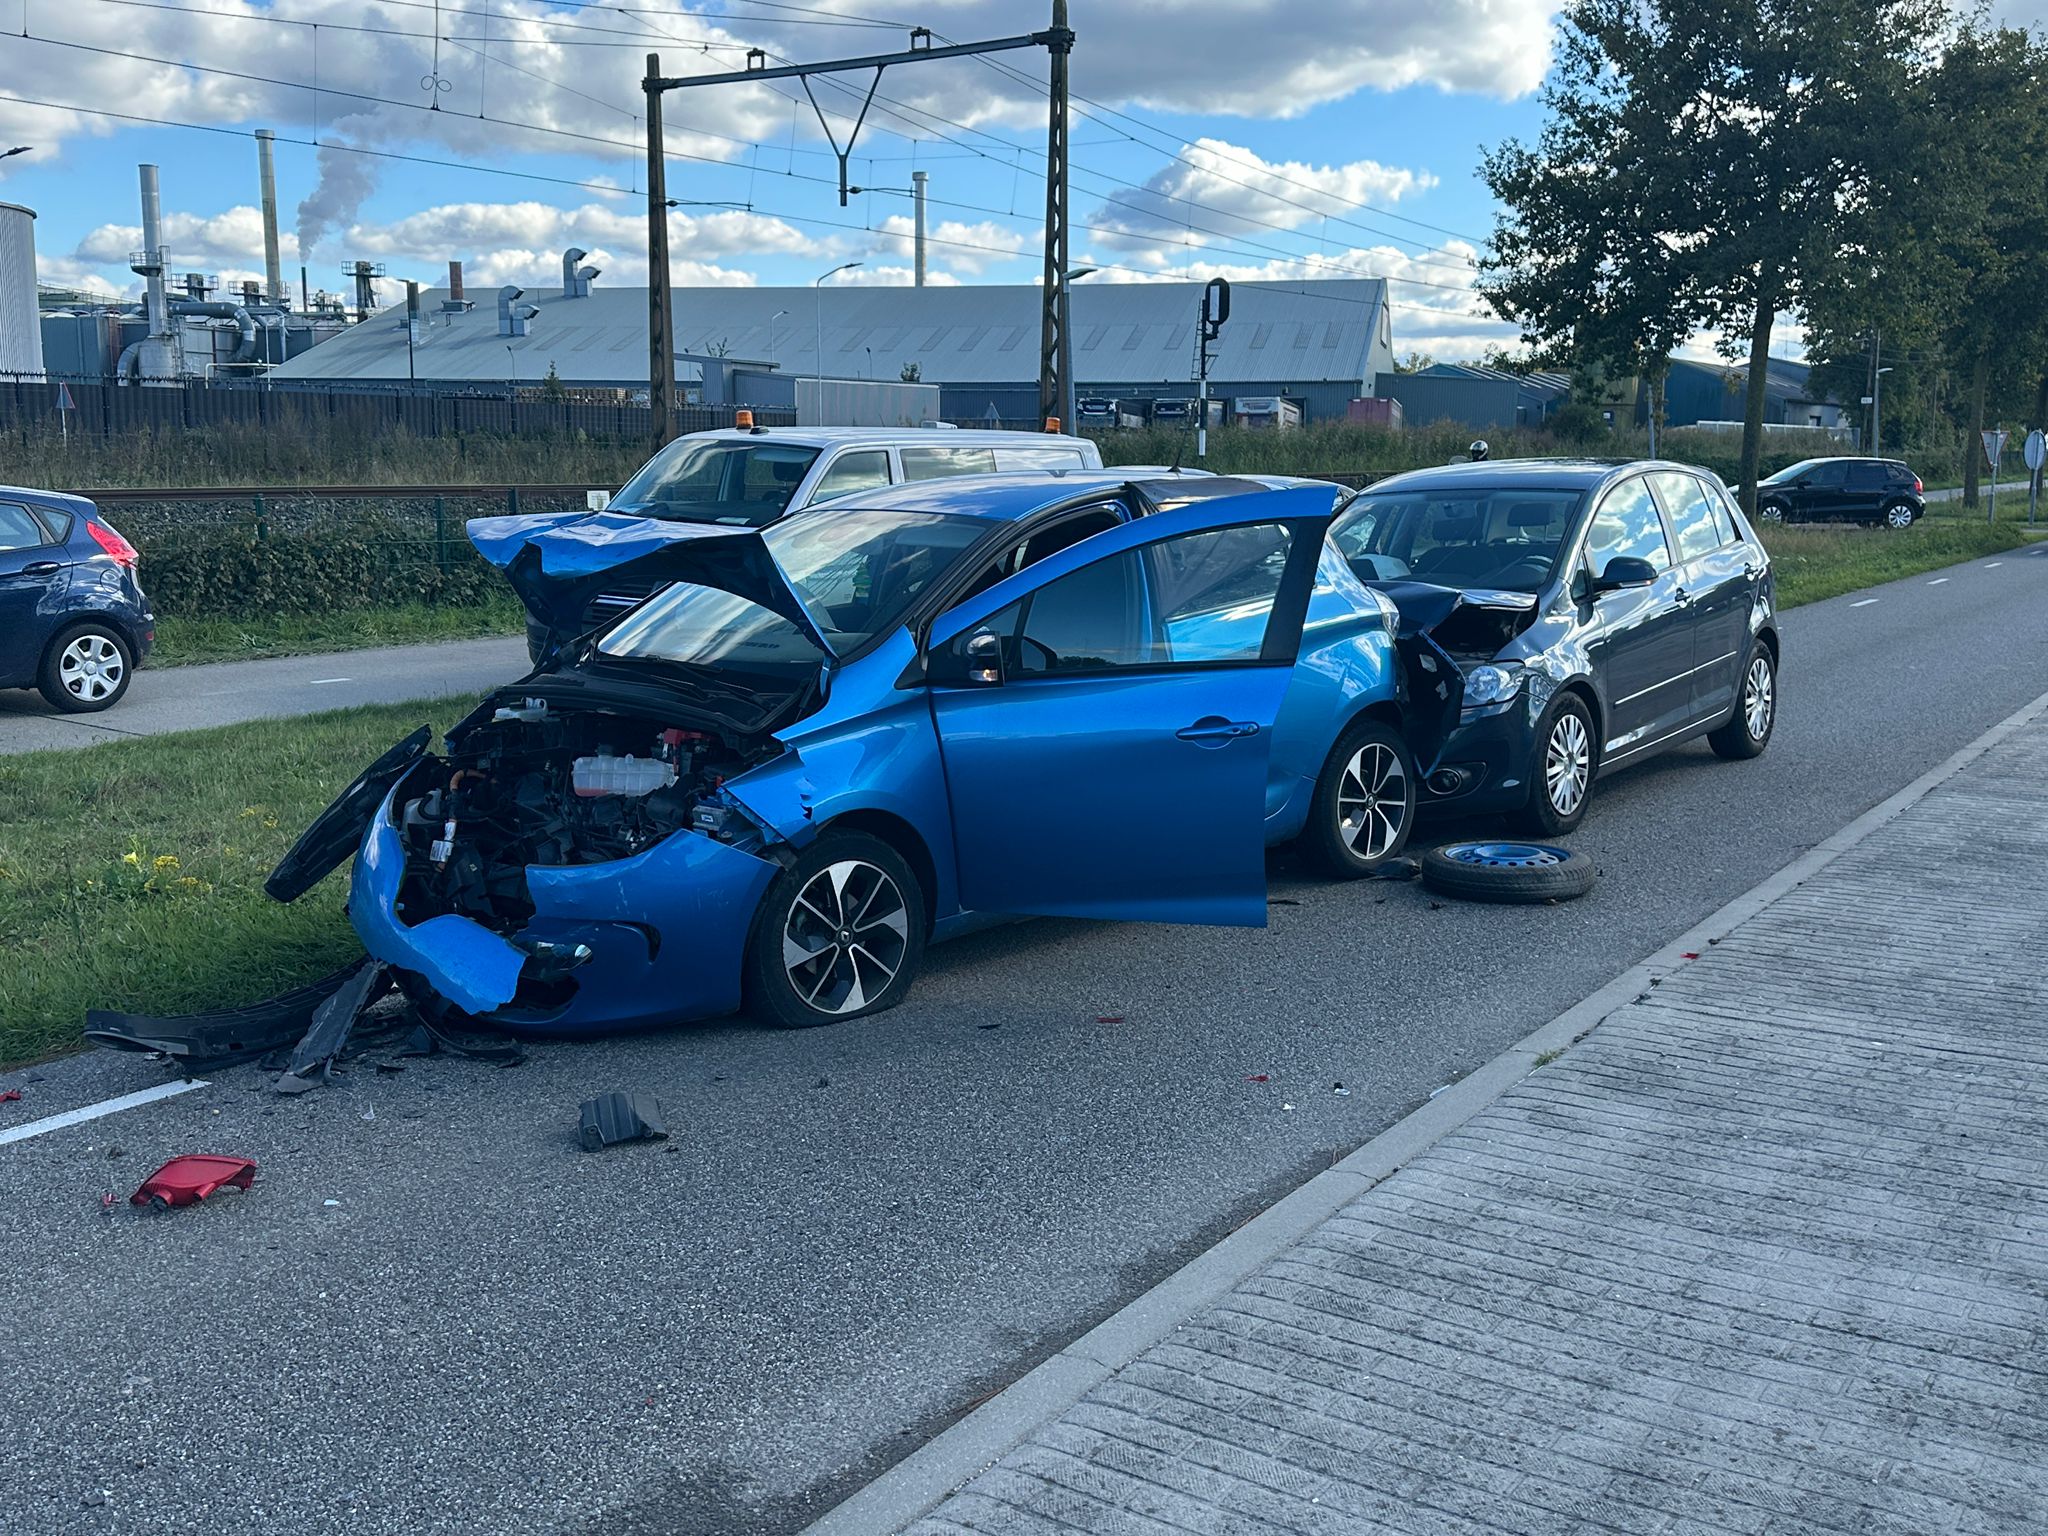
825,742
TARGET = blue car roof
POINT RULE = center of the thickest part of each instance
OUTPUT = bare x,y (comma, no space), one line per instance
61,500
999,498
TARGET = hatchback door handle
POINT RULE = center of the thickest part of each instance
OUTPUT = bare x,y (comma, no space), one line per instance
1216,729
1682,597
42,568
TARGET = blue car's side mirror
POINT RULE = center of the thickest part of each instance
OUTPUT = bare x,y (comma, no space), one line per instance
973,660
984,655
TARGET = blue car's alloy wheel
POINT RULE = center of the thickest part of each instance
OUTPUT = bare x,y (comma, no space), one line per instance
1508,872
1364,805
840,934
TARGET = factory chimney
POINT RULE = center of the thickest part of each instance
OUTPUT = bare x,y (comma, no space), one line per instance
455,281
917,181
150,261
266,174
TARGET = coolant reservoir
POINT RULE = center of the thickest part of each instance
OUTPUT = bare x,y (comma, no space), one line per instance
620,775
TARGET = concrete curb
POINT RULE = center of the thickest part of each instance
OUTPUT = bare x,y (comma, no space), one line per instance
918,1483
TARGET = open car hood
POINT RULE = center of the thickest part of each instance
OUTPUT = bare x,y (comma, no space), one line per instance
1458,615
558,564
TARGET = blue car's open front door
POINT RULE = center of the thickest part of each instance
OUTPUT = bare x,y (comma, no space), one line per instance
1104,715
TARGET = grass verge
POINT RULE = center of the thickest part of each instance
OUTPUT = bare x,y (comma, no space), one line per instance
131,874
181,641
1816,561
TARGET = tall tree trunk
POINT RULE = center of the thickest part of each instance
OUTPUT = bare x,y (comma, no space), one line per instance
1973,444
1753,403
1658,370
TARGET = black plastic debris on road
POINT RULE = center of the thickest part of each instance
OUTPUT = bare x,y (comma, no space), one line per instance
333,1021
612,1118
223,1036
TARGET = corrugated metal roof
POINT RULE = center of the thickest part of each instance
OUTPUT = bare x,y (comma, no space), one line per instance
1124,333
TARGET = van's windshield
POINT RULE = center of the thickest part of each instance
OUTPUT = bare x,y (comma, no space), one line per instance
717,480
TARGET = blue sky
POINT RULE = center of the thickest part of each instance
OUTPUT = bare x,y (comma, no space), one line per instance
1235,136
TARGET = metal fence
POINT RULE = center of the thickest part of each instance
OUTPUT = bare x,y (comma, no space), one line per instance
98,408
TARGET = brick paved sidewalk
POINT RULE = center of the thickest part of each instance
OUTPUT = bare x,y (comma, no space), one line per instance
1766,1251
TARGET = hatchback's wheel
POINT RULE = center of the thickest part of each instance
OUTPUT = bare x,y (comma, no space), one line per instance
1747,731
85,669
1562,779
839,934
1510,872
1771,512
1364,804
1899,515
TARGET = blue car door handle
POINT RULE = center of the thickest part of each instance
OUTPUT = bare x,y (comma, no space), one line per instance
42,568
1214,730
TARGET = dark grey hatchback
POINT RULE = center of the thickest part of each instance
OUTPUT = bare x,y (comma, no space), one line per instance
1564,618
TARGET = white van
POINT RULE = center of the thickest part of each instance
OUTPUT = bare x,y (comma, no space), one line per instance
753,475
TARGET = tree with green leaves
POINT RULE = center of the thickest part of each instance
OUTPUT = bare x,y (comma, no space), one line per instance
1699,166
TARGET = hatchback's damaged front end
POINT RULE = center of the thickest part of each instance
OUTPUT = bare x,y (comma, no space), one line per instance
568,869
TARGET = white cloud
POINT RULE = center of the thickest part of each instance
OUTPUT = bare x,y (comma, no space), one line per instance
893,277
960,247
1241,196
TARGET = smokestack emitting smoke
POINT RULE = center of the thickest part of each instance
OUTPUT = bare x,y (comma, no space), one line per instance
346,181
266,174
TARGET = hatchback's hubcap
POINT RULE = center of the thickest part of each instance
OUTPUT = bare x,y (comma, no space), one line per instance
1567,764
1372,801
1758,697
90,668
1901,517
845,937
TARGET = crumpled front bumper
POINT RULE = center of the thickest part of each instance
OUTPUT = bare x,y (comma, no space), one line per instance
668,929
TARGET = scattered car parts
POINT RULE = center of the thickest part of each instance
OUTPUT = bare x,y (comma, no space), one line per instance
611,1118
221,1037
191,1177
313,1057
1507,872
335,833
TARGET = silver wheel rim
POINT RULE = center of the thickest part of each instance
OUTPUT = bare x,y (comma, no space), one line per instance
90,668
845,937
1758,697
1372,801
1773,513
1900,517
1567,764
1506,855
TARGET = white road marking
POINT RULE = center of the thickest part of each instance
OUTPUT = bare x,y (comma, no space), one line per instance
1864,604
321,682
133,1100
1937,581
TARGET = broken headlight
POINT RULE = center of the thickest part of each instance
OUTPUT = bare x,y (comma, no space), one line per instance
1494,683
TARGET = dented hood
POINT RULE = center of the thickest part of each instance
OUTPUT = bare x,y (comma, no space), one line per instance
557,564
1455,614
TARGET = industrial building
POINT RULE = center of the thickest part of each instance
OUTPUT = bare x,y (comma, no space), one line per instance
1717,392
1476,397
1318,344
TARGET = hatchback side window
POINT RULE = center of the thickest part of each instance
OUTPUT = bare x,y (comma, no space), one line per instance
1692,515
1627,525
1200,598
19,528
938,463
1867,477
1828,476
852,472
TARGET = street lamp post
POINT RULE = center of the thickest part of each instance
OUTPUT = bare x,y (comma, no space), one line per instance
818,287
771,334
512,383
1068,421
1876,421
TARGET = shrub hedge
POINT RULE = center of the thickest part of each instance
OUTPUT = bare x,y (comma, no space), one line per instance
239,572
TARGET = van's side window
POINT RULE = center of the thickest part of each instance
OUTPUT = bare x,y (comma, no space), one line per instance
938,463
852,472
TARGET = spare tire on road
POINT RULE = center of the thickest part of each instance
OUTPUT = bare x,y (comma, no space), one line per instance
1510,872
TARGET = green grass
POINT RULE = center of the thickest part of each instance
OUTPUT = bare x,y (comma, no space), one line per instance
181,641
131,874
1815,561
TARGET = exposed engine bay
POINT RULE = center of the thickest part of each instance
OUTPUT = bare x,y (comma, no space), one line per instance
531,785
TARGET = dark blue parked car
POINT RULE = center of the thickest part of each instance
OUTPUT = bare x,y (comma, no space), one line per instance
73,620
1584,615
829,740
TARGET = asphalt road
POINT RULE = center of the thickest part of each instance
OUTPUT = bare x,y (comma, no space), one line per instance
188,698
434,1314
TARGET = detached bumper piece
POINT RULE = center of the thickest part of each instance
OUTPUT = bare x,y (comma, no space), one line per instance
615,1117
333,1022
225,1036
191,1178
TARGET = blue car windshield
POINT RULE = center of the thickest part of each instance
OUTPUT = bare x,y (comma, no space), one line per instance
857,574
1501,537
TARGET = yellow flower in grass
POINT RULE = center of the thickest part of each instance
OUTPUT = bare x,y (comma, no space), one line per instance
132,860
165,863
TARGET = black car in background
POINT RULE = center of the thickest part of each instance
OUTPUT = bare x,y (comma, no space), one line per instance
1879,492
73,620
1564,618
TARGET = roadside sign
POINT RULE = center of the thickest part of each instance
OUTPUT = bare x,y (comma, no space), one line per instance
66,403
2036,450
1994,444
